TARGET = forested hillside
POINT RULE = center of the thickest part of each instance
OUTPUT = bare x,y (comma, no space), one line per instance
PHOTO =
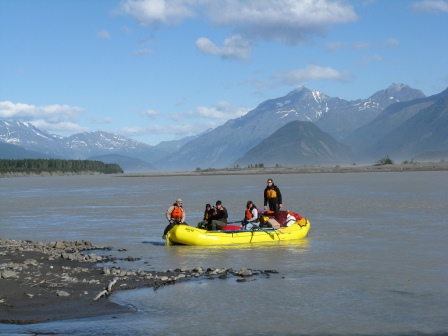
38,166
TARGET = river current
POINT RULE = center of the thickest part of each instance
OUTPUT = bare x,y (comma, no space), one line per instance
374,263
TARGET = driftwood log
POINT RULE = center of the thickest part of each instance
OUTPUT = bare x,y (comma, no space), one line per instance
107,291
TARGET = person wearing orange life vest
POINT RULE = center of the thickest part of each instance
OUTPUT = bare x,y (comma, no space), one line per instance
175,215
273,197
250,215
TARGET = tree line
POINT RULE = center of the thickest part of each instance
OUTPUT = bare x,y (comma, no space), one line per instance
38,166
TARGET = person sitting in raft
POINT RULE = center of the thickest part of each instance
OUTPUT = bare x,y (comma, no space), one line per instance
207,213
250,216
175,215
218,217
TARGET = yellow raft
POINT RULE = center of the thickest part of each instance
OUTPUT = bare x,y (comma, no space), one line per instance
188,235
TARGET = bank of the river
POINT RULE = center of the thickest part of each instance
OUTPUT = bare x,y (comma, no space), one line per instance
62,280
404,167
44,173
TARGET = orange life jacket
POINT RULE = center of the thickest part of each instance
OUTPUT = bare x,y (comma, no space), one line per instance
177,213
248,214
271,193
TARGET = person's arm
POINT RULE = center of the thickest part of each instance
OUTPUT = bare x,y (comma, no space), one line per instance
254,215
168,213
265,199
183,215
279,196
224,215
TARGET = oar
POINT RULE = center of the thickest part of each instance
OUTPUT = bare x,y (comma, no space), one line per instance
260,228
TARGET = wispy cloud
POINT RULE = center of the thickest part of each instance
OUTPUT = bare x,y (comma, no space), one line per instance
104,34
178,130
65,127
142,52
392,42
233,47
223,110
150,113
366,60
361,45
435,6
311,73
189,122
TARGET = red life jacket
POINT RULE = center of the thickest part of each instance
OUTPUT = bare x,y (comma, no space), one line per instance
177,213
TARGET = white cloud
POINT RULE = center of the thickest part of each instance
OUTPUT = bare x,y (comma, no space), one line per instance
25,111
334,46
431,6
181,130
392,42
49,118
101,121
59,127
223,110
288,21
188,123
207,46
155,12
150,113
233,47
104,34
310,73
371,59
361,45
143,52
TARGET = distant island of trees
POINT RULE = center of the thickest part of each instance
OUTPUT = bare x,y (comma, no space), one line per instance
38,166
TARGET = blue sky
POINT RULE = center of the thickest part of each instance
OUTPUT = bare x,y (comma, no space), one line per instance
156,70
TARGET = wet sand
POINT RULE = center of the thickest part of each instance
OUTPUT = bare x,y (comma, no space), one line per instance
64,280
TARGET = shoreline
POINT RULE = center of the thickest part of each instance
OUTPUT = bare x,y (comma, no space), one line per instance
41,282
402,167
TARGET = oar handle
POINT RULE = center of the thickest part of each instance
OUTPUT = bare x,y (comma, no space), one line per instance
235,222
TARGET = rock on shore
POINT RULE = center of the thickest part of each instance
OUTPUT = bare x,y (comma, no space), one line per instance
61,280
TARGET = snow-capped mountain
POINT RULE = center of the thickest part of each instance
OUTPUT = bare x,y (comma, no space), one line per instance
78,146
29,137
363,124
223,145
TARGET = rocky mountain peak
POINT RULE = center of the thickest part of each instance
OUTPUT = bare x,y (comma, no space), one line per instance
397,92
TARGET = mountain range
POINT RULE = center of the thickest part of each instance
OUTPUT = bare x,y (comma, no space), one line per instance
304,127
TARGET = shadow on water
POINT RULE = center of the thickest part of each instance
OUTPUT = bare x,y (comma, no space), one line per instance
155,243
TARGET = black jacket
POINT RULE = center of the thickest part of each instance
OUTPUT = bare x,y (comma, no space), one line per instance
220,215
277,190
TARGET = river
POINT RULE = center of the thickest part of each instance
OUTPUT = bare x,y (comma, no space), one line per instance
375,261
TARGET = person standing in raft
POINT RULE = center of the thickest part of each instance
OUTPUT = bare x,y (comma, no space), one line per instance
175,215
218,219
250,215
273,197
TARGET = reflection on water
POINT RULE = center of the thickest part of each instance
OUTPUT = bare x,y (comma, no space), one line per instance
374,262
